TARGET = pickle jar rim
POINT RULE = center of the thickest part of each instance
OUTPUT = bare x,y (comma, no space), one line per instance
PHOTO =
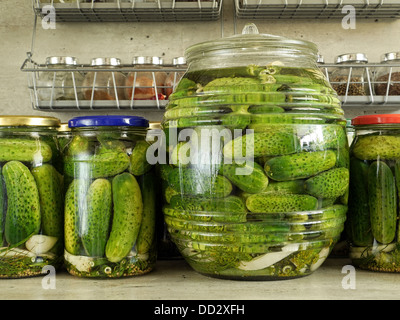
29,121
108,121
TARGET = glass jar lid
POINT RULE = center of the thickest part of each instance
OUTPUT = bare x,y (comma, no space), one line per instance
106,62
251,47
351,57
61,60
28,121
391,56
108,121
147,60
376,119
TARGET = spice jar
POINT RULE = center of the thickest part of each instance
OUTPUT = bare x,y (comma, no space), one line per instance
110,198
388,78
174,77
258,159
31,196
55,85
374,188
350,81
143,84
104,85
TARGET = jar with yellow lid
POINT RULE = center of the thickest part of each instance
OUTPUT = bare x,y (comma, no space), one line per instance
31,196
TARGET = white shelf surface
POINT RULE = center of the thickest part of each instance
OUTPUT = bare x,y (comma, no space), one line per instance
175,280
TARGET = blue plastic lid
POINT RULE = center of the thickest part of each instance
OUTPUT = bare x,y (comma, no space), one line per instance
108,121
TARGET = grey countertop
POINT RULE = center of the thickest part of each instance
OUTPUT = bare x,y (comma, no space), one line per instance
336,279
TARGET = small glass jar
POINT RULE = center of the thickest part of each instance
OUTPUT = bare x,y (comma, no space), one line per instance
110,198
373,213
31,196
143,85
104,85
383,85
350,81
60,85
64,135
173,78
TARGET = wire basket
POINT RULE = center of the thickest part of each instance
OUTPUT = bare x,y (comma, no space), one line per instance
315,9
52,94
131,10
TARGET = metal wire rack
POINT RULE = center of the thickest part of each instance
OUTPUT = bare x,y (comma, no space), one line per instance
49,92
380,85
131,10
315,9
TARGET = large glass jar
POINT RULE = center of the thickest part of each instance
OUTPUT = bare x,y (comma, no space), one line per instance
31,197
351,81
173,78
258,159
383,84
104,85
374,188
60,85
146,85
110,198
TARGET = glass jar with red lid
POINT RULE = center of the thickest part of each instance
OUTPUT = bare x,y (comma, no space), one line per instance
373,215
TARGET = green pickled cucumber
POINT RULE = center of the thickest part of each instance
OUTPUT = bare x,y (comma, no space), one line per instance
75,206
373,147
195,182
229,209
138,160
382,202
98,166
146,237
299,166
78,146
49,183
329,184
26,150
98,218
127,218
280,203
325,137
169,193
23,205
262,144
248,177
283,187
359,220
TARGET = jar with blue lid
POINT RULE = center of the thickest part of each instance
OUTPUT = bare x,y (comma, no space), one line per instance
109,199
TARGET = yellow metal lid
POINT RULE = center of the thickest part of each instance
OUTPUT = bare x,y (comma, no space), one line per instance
64,127
19,121
155,125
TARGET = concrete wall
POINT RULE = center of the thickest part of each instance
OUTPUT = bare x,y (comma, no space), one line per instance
124,40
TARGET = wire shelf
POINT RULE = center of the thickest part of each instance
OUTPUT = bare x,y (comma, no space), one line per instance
315,9
47,97
49,93
372,88
132,11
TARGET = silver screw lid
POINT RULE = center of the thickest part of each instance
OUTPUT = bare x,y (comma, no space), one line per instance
390,56
106,62
147,60
61,60
179,61
352,57
320,59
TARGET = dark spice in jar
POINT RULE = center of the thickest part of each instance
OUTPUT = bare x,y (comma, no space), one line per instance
356,86
394,86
